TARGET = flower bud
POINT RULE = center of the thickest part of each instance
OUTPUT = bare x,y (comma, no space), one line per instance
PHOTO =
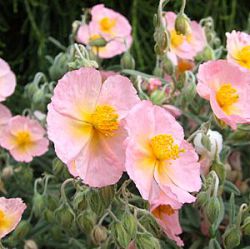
98,42
161,38
129,223
206,55
212,140
56,233
150,225
7,172
213,209
220,170
30,244
146,241
189,91
22,230
39,100
98,234
182,25
57,166
202,198
120,235
231,237
86,221
214,244
93,198
39,204
107,194
168,66
49,216
158,97
80,202
65,216
158,72
246,226
127,61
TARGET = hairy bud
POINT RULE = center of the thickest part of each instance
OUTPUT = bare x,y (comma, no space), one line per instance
127,61
231,237
98,234
30,244
146,241
213,209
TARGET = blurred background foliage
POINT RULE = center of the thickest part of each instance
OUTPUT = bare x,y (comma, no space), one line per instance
26,27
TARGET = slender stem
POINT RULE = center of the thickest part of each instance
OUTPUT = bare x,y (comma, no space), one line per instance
216,183
63,195
243,209
1,245
113,215
183,5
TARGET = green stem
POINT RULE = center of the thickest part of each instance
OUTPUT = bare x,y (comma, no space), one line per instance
183,5
63,195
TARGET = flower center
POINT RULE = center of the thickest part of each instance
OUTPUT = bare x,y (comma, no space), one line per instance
163,209
23,139
105,120
107,24
3,221
243,57
164,148
226,96
177,40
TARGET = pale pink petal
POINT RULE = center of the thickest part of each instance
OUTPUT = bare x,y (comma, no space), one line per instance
118,91
101,161
13,209
69,135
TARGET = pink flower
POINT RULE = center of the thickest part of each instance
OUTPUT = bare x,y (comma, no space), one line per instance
185,47
11,211
24,138
168,219
7,80
175,111
158,159
228,89
153,84
85,123
5,116
109,25
238,47
106,74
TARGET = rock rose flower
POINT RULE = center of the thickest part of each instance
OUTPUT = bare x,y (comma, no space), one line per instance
238,47
85,123
108,25
228,89
185,47
11,211
7,80
24,138
158,159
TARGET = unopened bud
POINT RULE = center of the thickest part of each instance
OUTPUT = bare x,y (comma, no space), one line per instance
107,194
98,42
206,55
129,222
158,72
30,244
86,221
120,235
161,38
7,172
127,61
213,209
65,216
158,97
168,66
22,230
202,199
93,198
220,170
49,216
79,202
98,234
231,237
246,226
214,244
182,25
146,241
39,204
208,144
189,91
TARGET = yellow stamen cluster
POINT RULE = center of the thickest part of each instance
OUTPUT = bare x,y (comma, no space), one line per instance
226,96
23,139
177,40
163,209
106,24
243,57
105,120
4,223
164,148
